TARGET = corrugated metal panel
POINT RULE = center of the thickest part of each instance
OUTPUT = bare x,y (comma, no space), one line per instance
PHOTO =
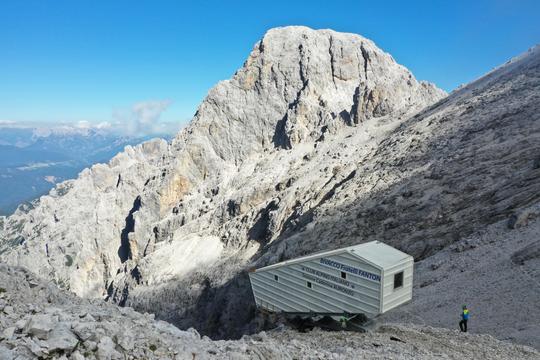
351,259
379,253
395,297
329,292
303,259
344,280
297,290
399,265
295,300
376,253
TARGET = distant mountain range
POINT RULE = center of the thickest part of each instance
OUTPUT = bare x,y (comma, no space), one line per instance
34,159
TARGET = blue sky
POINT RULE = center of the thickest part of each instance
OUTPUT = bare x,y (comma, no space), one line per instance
79,60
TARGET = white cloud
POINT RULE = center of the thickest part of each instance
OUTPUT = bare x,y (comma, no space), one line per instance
104,125
7,123
83,124
143,118
148,112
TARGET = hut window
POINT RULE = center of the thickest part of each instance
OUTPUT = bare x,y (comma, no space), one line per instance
343,275
309,284
398,280
276,277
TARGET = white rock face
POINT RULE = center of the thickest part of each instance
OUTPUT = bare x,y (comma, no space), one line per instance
312,145
72,228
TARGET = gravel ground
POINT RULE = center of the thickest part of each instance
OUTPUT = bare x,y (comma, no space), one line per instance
467,272
37,320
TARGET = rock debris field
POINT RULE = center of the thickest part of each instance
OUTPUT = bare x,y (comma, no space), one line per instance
37,320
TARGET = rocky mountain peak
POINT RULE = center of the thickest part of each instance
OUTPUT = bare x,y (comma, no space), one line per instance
298,84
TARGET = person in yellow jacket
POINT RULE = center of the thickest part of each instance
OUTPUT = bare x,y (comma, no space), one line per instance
464,319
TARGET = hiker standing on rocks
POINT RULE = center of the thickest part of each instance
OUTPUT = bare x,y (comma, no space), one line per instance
464,318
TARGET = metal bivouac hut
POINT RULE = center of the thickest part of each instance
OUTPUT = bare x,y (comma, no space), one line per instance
368,279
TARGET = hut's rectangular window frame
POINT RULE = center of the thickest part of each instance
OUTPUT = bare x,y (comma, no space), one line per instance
398,280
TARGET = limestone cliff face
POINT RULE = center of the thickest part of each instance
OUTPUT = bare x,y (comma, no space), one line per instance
217,185
78,234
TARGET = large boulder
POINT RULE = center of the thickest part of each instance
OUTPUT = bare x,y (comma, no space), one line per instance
40,326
